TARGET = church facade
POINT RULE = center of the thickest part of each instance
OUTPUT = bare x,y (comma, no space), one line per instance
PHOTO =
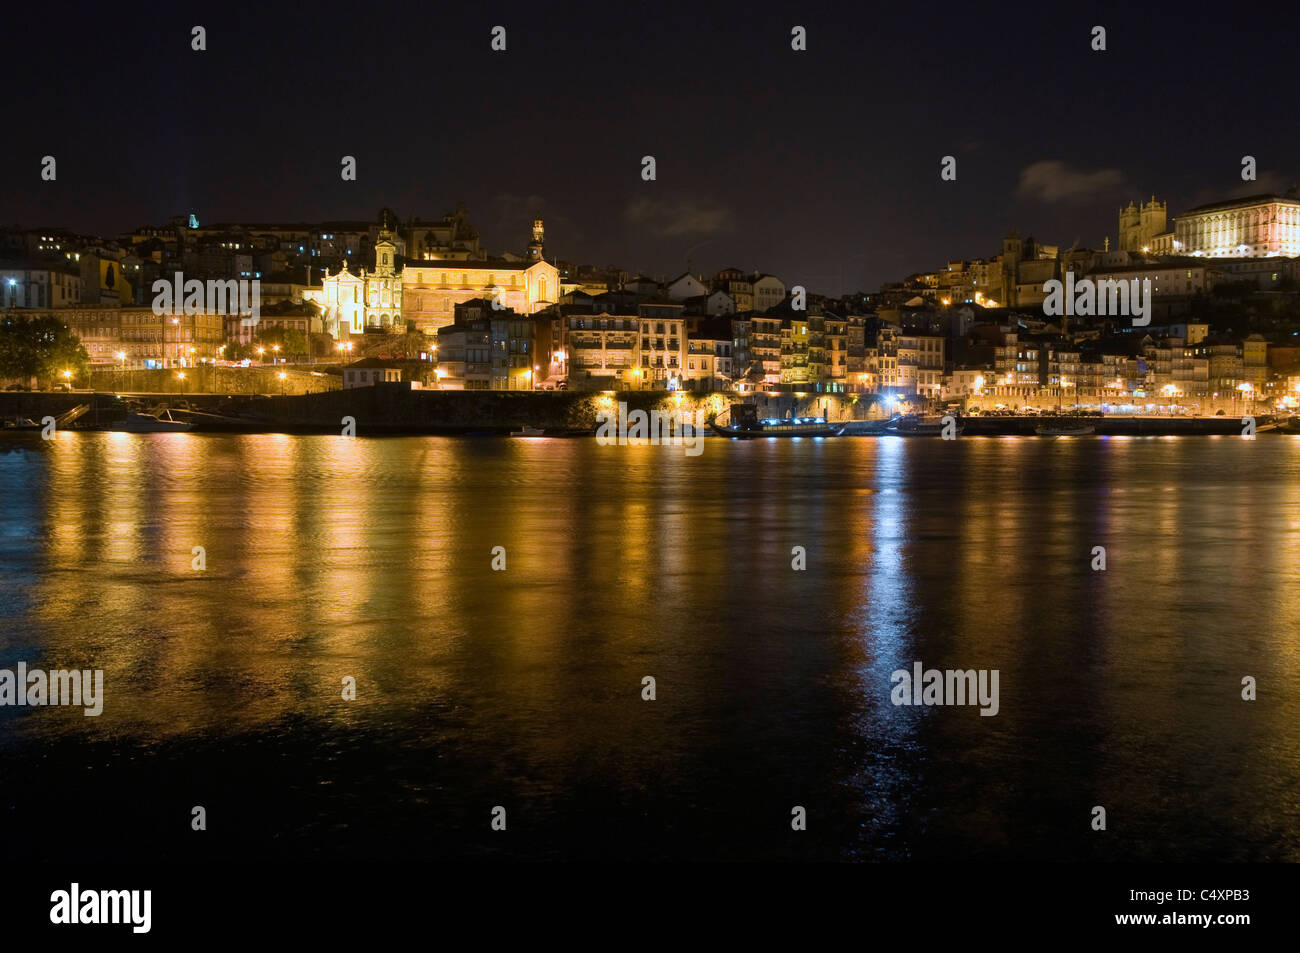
350,303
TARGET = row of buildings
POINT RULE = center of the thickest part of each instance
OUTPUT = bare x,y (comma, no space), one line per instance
973,330
1254,239
990,359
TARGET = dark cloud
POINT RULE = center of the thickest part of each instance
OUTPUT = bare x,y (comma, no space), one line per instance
677,217
1053,181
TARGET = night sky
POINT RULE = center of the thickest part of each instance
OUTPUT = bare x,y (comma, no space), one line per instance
820,166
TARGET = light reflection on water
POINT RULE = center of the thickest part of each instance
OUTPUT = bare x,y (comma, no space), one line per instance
329,557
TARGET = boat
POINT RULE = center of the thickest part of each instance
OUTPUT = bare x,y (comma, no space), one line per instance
1064,429
745,423
528,432
20,423
913,425
160,422
864,428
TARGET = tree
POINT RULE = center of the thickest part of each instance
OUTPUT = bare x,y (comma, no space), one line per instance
59,351
40,347
295,343
236,351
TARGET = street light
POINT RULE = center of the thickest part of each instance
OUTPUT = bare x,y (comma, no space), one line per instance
1245,388
181,376
283,375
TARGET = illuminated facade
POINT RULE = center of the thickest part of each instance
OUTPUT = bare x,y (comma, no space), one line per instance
169,340
1139,228
606,352
432,289
350,303
39,286
1260,226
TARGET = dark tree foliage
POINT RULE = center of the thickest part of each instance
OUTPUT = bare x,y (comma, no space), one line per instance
40,347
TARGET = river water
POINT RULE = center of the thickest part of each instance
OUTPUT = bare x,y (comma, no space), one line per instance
327,558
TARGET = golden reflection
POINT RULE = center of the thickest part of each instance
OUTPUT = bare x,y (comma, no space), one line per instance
329,557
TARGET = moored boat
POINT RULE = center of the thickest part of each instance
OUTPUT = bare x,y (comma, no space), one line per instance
1064,429
864,428
19,423
917,426
528,432
744,422
160,422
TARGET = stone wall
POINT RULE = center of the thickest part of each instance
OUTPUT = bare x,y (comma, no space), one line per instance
218,380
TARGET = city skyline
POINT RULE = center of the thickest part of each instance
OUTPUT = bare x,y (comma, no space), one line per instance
741,177
1165,235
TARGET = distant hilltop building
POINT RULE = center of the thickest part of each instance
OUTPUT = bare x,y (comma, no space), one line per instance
450,238
1141,229
1256,226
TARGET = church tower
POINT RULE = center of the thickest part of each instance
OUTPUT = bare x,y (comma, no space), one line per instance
1010,269
537,246
385,255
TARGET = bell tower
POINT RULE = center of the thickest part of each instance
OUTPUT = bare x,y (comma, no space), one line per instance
537,246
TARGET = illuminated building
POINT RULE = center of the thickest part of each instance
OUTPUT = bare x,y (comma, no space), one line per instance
1258,226
486,348
433,287
40,285
1139,228
709,356
351,303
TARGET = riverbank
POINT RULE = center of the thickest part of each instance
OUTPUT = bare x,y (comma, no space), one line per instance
397,409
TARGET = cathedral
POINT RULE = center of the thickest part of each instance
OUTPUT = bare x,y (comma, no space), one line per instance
1256,226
